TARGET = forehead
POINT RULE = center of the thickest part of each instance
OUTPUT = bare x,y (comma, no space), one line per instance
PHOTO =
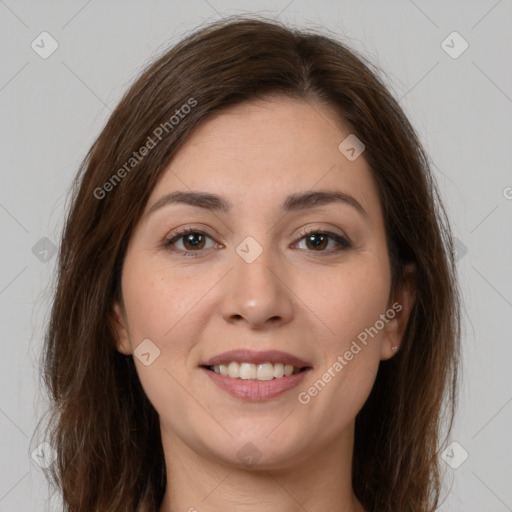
259,152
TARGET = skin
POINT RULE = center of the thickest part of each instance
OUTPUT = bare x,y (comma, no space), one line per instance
311,302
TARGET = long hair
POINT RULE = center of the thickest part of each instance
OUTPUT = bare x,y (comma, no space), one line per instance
101,424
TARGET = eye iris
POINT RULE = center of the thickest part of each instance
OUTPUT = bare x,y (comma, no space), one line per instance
320,243
189,239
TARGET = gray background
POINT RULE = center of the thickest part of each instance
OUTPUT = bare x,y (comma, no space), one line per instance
52,109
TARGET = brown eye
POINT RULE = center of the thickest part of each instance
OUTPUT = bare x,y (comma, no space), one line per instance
317,241
192,241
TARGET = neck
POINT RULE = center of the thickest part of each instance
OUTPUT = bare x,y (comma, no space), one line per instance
198,482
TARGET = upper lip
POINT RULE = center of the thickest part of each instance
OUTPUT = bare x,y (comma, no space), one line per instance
256,357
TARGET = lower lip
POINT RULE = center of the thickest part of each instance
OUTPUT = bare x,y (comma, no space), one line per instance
256,390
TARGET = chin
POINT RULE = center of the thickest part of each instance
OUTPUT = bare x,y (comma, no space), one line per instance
258,450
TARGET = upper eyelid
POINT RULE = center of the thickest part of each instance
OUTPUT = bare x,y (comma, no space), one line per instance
303,232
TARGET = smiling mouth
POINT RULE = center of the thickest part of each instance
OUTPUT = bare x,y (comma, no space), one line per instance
258,372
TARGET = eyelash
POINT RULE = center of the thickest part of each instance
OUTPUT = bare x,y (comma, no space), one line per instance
343,242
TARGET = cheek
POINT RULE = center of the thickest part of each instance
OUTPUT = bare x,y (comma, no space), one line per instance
348,299
159,300
335,397
351,306
169,307
160,308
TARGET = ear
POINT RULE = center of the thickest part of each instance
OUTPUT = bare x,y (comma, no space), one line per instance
121,329
398,312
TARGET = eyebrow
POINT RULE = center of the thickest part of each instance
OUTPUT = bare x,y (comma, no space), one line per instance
295,202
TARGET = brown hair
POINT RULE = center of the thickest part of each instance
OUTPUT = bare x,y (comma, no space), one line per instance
102,425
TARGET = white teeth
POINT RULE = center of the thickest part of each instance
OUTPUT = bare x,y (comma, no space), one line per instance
264,371
248,371
234,370
278,370
288,370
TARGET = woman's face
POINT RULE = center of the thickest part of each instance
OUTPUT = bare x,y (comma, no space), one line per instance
249,278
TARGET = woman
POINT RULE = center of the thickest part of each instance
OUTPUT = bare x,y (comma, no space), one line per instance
256,305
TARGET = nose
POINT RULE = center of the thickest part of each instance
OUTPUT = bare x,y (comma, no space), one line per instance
259,293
